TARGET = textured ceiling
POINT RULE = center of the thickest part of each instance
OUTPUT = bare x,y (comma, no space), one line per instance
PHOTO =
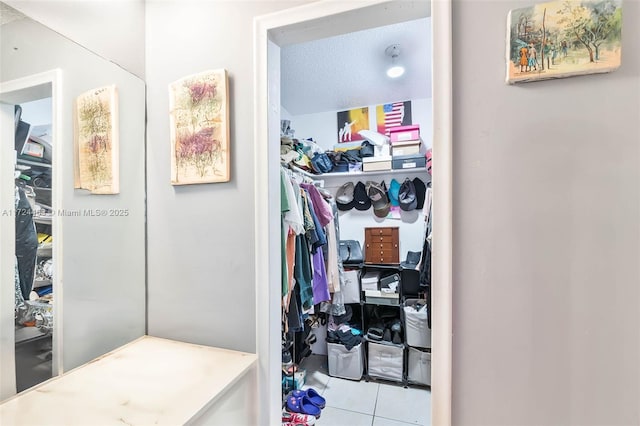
349,71
9,14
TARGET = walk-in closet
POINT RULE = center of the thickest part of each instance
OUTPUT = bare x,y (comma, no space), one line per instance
355,152
34,267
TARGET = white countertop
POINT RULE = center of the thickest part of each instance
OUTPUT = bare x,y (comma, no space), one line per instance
150,381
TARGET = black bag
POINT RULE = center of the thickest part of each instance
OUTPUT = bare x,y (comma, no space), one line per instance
350,252
366,149
321,163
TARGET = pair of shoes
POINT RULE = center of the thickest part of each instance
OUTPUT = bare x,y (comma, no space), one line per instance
297,419
306,402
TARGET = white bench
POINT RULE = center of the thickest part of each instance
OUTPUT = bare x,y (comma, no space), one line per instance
150,381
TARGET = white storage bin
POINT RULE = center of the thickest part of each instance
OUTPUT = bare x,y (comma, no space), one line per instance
419,367
351,290
415,324
385,361
343,363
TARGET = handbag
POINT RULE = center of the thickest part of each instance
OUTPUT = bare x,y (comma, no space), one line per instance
366,149
350,252
321,163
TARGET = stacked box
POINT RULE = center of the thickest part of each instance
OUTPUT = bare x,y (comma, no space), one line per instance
343,363
419,367
386,361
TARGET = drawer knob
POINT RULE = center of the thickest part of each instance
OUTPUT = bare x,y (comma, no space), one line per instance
381,252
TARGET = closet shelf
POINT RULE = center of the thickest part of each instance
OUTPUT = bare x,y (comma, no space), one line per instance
360,173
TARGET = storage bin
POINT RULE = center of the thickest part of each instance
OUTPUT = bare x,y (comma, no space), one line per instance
351,286
343,363
385,361
408,149
370,281
419,367
416,326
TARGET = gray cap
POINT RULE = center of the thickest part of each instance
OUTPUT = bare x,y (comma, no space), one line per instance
407,195
379,200
344,197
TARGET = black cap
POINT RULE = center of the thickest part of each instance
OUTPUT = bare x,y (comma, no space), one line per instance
407,195
421,190
360,197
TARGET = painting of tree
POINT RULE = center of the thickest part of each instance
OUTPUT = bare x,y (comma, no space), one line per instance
96,140
200,128
564,38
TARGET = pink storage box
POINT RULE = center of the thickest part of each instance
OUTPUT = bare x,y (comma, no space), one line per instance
404,133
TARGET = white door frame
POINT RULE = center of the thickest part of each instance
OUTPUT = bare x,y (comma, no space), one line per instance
14,92
280,27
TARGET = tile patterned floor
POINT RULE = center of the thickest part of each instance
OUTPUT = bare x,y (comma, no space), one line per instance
351,403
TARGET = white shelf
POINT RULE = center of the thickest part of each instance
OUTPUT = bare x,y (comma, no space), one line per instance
418,170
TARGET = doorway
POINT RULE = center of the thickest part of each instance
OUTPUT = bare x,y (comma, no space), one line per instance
307,23
31,344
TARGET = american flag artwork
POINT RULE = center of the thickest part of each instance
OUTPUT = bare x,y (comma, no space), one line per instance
392,115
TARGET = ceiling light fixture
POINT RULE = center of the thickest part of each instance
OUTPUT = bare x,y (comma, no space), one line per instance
396,69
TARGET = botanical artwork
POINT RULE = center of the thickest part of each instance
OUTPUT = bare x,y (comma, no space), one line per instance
351,122
96,140
392,115
199,114
564,38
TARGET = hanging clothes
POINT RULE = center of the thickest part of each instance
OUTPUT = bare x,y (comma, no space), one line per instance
26,242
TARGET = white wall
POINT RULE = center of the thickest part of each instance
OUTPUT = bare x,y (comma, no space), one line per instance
323,126
546,235
201,283
112,29
103,258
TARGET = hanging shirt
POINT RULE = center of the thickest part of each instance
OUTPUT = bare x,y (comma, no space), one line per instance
320,207
320,287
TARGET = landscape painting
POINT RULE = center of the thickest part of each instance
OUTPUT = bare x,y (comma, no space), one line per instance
199,121
96,141
563,39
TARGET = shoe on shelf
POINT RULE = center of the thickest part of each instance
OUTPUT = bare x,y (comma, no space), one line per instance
298,419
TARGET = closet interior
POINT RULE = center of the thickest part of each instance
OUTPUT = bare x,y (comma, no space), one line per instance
356,215
33,246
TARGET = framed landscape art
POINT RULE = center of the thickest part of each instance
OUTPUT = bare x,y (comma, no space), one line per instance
563,39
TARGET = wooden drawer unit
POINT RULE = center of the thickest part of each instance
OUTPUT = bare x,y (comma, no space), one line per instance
382,245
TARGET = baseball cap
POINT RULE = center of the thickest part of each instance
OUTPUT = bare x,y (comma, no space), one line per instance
407,195
379,201
421,190
344,197
394,189
360,197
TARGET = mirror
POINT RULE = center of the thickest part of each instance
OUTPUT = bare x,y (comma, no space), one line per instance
72,273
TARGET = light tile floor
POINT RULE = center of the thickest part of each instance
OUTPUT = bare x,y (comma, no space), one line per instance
351,403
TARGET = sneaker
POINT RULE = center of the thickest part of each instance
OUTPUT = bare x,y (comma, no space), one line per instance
297,419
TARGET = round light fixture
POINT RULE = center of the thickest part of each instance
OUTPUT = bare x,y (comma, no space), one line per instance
395,70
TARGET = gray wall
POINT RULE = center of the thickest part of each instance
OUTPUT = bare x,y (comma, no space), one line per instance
112,29
201,284
546,235
103,257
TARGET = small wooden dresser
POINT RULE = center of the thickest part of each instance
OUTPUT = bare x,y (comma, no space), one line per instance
382,245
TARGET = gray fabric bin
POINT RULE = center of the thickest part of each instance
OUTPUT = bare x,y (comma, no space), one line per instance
419,367
385,361
417,329
343,363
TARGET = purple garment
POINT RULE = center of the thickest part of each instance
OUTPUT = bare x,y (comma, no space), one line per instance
320,205
320,284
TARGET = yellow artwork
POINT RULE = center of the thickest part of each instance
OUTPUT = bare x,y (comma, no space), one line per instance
199,117
96,141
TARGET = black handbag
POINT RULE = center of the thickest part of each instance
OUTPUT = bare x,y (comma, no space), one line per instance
366,149
350,252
